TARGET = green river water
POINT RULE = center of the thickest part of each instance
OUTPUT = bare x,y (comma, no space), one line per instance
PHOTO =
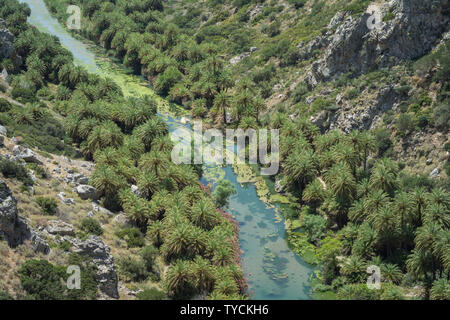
272,270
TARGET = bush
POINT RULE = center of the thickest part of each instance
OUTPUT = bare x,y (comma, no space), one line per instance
405,123
23,94
4,105
91,226
151,294
315,226
299,92
383,140
441,116
149,254
222,192
49,206
88,288
351,93
133,237
4,295
11,169
41,280
133,269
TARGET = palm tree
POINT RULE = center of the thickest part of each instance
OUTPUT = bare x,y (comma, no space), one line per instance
426,238
385,222
155,163
314,192
106,181
148,183
133,147
178,279
354,269
221,104
346,154
162,144
107,134
418,200
363,188
341,182
204,274
204,214
155,233
136,208
437,213
402,207
357,212
151,129
441,249
364,143
439,196
384,176
223,255
374,201
440,290
179,241
226,286
391,273
300,167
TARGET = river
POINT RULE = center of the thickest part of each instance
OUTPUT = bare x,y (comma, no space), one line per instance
272,270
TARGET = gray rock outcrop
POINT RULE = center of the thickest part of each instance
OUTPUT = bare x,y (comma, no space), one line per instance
85,192
13,228
106,275
58,227
26,154
6,41
356,48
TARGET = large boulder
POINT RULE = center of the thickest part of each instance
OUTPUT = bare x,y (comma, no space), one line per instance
58,227
13,228
26,154
85,192
106,275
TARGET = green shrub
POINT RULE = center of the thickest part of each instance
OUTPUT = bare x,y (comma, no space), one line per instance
351,93
23,94
405,123
151,294
41,280
4,295
49,206
91,226
88,288
149,254
4,105
314,226
299,92
133,237
132,269
441,116
11,169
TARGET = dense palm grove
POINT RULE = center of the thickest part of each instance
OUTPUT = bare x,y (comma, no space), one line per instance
355,202
130,145
361,211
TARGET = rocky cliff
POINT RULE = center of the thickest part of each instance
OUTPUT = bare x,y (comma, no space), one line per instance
363,44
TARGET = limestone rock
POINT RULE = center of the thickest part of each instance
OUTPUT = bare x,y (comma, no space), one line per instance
87,192
58,227
6,41
106,275
356,48
26,154
13,228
